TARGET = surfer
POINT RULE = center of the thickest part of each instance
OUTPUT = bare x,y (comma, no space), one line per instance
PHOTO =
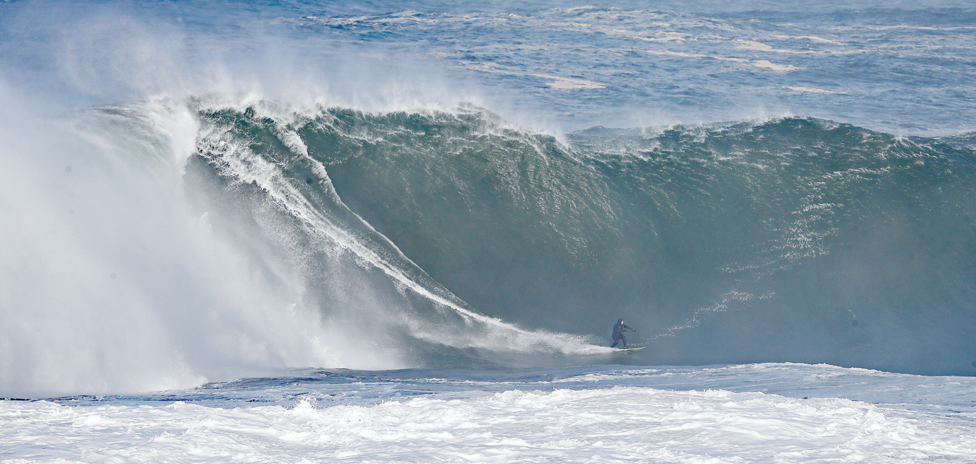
618,333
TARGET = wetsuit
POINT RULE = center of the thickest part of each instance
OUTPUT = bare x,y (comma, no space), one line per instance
618,333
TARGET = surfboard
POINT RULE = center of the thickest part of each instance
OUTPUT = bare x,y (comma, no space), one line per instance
636,348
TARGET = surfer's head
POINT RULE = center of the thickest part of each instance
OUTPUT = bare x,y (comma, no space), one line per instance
620,321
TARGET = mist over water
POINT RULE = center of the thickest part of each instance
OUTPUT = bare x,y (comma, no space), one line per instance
190,196
111,283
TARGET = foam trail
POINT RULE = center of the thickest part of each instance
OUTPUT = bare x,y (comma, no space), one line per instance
336,223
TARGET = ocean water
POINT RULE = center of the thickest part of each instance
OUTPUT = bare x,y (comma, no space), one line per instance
599,413
400,231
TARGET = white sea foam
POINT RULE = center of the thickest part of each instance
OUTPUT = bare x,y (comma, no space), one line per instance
544,423
766,64
753,45
814,90
567,83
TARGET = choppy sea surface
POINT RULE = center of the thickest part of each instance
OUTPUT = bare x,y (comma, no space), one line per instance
602,413
400,231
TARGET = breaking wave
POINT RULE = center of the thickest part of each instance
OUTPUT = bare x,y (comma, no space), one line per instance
206,240
788,240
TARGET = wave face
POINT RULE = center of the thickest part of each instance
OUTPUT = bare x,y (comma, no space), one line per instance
191,194
264,181
788,240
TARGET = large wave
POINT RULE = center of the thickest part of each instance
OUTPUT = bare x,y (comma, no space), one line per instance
785,240
158,244
153,245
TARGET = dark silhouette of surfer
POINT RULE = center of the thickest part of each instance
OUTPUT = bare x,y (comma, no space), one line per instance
618,333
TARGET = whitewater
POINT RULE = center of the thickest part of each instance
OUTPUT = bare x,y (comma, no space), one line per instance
401,231
748,413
